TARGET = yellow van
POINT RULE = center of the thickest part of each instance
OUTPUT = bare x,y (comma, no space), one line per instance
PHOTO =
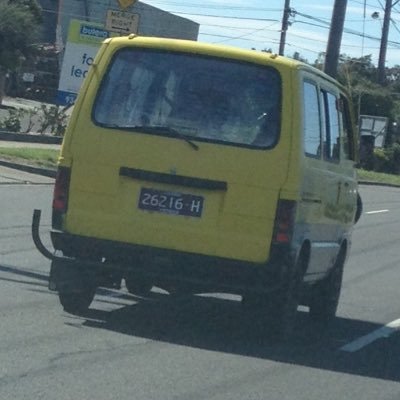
202,168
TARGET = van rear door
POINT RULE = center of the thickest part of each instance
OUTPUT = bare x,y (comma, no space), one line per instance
180,151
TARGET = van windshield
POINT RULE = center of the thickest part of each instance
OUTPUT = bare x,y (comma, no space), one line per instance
201,98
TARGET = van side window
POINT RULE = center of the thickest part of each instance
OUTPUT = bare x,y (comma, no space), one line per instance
347,139
332,128
312,122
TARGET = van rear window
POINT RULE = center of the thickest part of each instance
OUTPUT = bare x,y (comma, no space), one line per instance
199,97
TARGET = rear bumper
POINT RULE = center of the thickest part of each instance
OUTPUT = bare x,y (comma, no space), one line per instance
102,260
167,268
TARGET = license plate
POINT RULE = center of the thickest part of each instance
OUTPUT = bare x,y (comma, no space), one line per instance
171,202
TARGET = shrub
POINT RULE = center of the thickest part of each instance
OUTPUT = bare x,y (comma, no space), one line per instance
12,123
387,160
53,118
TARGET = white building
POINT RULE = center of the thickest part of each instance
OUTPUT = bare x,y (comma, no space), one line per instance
152,21
83,24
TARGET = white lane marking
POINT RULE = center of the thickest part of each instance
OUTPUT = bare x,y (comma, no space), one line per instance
377,212
383,332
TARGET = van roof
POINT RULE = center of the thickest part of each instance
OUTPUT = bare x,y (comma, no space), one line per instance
211,49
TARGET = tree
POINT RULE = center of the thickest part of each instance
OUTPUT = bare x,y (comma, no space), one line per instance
358,75
19,30
361,68
299,57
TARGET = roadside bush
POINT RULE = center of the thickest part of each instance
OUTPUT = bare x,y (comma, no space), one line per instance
12,123
53,119
30,116
387,160
46,119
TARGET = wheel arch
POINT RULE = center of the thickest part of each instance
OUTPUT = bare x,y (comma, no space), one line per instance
304,255
343,250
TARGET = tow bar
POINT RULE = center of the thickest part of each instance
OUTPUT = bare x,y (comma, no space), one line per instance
36,238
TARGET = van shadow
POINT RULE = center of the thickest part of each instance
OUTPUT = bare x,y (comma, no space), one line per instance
36,278
223,325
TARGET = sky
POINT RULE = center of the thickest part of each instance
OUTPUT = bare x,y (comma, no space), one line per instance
253,24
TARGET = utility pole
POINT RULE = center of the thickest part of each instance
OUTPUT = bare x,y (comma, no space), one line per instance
335,37
384,41
285,24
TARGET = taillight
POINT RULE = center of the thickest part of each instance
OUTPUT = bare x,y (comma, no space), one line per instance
284,221
60,196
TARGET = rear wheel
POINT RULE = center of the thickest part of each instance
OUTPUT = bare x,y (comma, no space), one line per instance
325,295
77,301
284,303
75,284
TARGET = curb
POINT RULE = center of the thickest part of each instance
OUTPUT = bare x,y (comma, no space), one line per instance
29,138
50,173
368,183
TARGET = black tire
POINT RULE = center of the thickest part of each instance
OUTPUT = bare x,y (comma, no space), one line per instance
75,284
137,285
359,209
284,303
325,295
280,306
78,301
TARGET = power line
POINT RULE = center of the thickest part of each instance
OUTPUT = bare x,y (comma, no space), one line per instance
345,30
243,36
243,33
217,7
226,17
362,3
394,24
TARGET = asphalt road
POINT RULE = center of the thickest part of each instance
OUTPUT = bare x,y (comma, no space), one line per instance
196,348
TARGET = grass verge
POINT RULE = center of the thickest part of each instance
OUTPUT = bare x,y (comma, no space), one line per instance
378,177
45,158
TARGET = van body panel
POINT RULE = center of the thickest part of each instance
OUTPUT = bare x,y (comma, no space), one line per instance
236,223
328,186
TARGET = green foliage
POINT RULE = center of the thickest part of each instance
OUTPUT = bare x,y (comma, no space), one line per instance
30,114
377,101
360,70
53,118
12,123
359,76
31,6
388,159
19,30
